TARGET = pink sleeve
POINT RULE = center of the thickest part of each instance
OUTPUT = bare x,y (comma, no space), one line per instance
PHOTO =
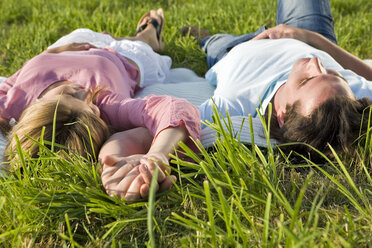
5,86
154,112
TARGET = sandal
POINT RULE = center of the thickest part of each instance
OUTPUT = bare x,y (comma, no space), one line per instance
158,27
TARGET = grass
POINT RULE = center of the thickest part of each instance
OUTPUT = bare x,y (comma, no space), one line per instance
233,196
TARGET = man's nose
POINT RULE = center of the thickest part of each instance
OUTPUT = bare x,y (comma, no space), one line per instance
316,67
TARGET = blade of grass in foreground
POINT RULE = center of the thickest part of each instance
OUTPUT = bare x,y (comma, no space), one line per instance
151,209
265,234
210,212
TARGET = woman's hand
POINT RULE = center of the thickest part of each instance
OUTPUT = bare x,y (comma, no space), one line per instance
70,47
284,31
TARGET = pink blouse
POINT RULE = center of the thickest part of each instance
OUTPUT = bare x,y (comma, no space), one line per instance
103,68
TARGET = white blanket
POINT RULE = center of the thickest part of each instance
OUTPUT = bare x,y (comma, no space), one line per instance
186,84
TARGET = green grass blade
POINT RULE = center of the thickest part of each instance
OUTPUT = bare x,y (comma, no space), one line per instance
151,208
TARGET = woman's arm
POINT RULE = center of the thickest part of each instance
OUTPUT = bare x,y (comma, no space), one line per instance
70,47
343,57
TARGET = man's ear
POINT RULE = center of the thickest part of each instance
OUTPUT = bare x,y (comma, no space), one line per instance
280,117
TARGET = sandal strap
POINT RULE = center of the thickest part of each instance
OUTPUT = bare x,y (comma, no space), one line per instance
154,23
157,27
141,28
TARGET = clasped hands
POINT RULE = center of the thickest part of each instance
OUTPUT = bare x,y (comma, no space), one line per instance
130,177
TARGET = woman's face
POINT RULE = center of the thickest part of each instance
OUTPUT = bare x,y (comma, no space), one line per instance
74,96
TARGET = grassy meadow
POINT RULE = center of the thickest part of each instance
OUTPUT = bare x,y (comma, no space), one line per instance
235,195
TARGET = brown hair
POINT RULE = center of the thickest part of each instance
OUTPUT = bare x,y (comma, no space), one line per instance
78,131
339,121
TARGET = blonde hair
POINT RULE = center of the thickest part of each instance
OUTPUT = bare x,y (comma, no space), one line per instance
81,132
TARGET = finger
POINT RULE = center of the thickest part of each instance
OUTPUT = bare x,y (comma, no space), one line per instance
110,160
111,170
114,176
133,192
83,45
110,165
167,183
151,165
126,181
263,35
88,46
108,171
146,174
145,190
115,163
118,175
161,162
273,36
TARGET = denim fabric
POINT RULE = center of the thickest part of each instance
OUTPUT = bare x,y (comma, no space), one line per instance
314,15
218,45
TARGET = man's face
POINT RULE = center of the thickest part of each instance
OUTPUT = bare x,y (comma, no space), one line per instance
311,84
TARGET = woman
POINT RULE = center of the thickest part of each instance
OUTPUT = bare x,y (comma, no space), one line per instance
71,94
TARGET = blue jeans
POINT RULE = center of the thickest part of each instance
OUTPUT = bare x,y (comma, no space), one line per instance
314,15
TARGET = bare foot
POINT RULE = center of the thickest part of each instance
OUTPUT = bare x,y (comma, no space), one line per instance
149,29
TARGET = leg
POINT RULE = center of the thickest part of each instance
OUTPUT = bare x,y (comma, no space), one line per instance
151,25
314,15
218,45
143,47
149,29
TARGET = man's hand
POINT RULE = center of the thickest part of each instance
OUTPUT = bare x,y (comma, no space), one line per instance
283,31
147,168
343,57
71,47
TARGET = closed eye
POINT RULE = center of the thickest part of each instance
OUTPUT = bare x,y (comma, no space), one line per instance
303,82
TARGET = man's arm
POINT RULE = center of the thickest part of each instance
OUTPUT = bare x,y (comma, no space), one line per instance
343,57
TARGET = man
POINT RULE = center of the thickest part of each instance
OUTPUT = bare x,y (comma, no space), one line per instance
316,88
